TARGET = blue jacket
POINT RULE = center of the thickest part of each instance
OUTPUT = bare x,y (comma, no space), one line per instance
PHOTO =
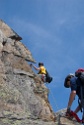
75,85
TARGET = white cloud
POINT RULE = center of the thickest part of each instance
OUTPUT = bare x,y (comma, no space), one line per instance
30,27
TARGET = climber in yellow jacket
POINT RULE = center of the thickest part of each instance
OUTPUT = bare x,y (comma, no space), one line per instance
41,71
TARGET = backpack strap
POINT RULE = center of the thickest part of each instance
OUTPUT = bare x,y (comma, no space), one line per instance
82,98
79,102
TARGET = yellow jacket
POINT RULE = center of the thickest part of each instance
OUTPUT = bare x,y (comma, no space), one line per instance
42,70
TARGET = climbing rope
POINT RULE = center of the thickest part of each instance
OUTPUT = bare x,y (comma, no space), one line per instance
53,99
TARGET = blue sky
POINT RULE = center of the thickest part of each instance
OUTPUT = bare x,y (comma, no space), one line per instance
53,30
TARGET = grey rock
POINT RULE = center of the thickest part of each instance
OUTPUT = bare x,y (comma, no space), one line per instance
19,103
23,96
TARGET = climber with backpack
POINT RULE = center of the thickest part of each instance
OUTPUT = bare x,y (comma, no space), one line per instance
75,82
42,72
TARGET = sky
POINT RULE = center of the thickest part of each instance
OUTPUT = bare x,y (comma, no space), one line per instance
53,30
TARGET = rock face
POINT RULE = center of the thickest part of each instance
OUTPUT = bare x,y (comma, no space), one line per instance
23,96
62,120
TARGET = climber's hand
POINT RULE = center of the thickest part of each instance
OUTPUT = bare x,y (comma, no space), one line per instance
68,112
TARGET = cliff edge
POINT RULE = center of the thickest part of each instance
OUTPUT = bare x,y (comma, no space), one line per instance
23,96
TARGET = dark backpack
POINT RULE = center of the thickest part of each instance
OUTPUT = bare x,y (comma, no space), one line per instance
80,74
48,77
